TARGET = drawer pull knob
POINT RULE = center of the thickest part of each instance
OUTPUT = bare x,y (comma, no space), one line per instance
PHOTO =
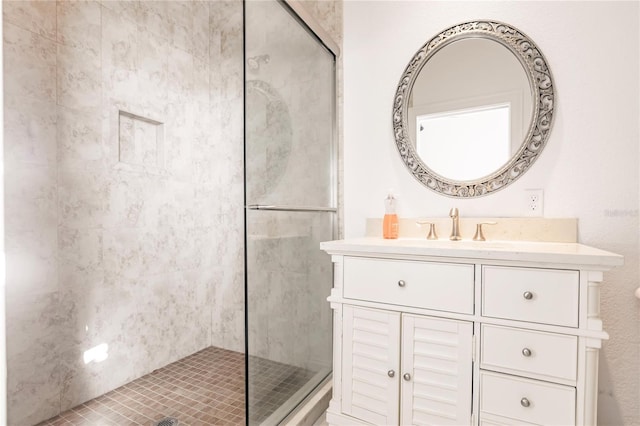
406,376
525,402
391,373
401,283
526,352
527,295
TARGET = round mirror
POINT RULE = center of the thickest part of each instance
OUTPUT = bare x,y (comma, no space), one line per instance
473,109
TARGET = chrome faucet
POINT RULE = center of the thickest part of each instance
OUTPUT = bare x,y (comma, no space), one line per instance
455,230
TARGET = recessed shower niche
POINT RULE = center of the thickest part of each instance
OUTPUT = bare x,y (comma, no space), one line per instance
140,141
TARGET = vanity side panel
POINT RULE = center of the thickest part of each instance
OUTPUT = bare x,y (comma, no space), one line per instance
589,349
335,405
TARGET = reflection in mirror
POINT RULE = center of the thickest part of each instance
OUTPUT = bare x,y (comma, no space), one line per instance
470,107
270,135
473,109
465,144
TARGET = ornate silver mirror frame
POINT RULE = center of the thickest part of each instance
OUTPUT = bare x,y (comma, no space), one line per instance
543,97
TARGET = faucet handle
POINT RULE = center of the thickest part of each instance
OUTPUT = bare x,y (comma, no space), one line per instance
432,229
479,236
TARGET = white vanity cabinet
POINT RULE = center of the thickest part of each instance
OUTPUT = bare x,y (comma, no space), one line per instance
465,333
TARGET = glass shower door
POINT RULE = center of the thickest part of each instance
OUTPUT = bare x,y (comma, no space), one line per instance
290,208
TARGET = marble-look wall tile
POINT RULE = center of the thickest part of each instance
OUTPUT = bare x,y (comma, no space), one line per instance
329,14
153,16
122,252
30,132
29,64
33,194
78,24
33,317
153,68
180,75
79,138
36,16
200,95
82,197
32,356
119,56
30,229
79,80
127,9
200,29
228,309
135,201
81,251
31,257
180,17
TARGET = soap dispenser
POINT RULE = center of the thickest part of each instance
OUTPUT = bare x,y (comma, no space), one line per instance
390,223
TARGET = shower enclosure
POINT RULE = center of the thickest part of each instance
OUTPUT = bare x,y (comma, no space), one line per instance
290,198
124,211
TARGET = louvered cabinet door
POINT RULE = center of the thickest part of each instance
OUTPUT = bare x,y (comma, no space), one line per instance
436,371
371,361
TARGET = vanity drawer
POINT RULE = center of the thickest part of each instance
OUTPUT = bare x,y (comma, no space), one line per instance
439,286
547,296
527,400
547,355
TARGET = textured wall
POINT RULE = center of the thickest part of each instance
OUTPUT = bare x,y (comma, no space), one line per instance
123,229
589,169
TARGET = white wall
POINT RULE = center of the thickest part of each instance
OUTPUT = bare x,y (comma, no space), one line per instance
588,170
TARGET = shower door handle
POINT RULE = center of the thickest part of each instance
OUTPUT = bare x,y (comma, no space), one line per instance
284,208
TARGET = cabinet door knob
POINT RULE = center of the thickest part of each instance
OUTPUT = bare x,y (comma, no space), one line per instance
527,295
406,376
525,402
526,352
391,373
401,283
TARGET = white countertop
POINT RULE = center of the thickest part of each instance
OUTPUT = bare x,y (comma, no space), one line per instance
551,253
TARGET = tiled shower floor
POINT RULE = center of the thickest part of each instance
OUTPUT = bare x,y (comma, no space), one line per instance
206,388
